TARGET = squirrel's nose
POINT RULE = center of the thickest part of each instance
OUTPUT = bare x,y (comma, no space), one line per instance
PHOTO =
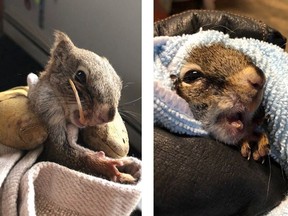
256,80
252,81
252,78
107,115
102,114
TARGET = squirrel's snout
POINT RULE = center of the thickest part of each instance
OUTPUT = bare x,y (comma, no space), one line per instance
103,114
251,81
256,80
107,115
252,78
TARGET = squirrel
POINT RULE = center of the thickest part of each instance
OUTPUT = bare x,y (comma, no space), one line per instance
78,89
224,90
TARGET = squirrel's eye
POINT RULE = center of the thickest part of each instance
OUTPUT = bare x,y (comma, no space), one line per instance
80,77
191,75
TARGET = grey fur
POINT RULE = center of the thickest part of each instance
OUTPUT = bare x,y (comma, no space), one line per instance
52,98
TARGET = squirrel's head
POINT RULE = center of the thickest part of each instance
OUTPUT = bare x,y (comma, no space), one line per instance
96,82
223,89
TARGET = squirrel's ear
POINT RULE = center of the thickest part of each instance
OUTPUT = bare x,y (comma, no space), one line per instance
62,45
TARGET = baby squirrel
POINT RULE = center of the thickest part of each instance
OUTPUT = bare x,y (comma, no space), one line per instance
53,98
224,90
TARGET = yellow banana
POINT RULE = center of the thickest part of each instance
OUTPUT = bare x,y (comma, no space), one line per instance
19,127
21,90
112,138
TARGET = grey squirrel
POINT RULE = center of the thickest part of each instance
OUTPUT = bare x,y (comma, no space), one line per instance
73,76
224,90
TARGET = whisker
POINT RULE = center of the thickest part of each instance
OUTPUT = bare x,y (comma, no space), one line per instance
128,84
130,102
216,27
131,115
269,179
131,119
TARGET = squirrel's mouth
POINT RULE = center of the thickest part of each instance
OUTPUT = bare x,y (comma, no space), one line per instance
236,121
230,128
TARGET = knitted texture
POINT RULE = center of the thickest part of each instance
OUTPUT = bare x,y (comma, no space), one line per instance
60,191
169,56
173,112
11,186
170,110
28,188
8,157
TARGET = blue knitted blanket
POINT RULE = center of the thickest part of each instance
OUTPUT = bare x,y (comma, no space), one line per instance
173,112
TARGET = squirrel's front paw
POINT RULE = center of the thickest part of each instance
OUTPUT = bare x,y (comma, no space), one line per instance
108,167
263,147
260,149
131,168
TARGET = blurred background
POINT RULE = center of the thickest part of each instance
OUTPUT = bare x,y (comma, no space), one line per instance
109,28
272,12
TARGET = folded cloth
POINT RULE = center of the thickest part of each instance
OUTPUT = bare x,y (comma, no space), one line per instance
169,57
59,190
172,112
45,188
9,198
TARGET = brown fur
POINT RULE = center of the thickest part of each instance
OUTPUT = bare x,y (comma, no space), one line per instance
224,90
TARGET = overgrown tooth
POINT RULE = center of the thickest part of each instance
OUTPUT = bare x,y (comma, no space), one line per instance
81,114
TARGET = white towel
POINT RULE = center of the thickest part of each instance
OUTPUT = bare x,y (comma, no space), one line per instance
44,188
